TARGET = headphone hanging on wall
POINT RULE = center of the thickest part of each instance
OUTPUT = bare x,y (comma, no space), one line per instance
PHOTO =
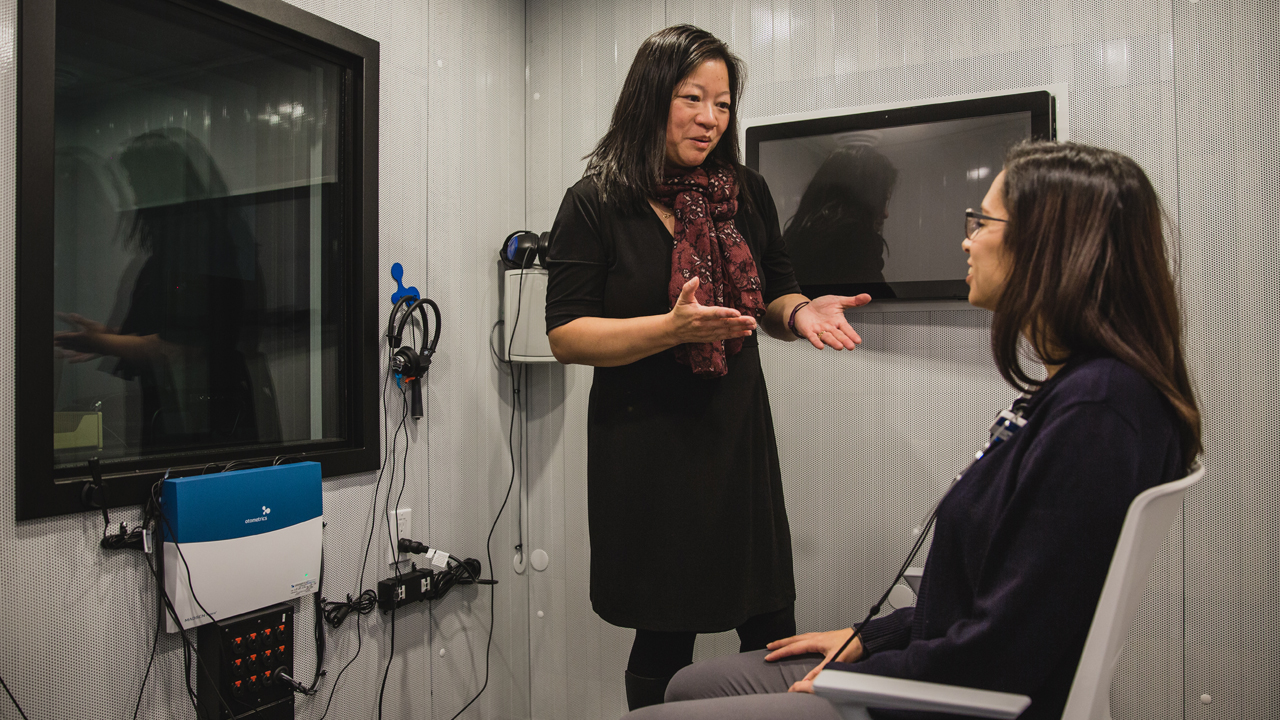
520,249
410,365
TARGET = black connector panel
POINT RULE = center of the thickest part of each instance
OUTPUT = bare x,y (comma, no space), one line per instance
414,586
239,659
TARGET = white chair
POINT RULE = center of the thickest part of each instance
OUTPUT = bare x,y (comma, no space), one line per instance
1146,526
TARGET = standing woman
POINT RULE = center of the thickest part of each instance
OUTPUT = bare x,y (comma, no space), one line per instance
663,259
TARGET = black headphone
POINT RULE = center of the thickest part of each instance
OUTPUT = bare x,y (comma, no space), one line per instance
521,247
411,365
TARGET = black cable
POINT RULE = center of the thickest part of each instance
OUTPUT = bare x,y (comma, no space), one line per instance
377,486
147,519
317,629
488,550
317,634
370,598
248,464
1006,424
11,697
515,324
124,539
336,611
187,649
390,537
153,506
875,609
159,510
404,481
186,642
155,641
460,565
366,600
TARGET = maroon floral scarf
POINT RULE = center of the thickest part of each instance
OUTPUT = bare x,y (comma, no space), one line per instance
707,243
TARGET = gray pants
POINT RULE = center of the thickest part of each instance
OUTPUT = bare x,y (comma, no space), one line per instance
740,687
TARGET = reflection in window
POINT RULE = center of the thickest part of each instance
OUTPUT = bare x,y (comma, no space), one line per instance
197,223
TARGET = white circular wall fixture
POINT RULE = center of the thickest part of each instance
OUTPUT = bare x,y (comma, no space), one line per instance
540,560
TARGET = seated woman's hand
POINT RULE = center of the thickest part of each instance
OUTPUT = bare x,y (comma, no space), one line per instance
694,322
822,643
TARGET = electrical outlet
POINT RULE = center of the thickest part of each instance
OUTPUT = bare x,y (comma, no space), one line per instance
400,528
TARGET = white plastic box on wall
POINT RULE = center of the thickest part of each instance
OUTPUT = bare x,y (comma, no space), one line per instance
524,316
241,540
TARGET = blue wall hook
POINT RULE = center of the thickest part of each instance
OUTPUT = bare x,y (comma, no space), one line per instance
397,274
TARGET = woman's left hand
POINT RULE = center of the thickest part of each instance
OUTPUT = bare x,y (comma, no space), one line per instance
824,643
823,324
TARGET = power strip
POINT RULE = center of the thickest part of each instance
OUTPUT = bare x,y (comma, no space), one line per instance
413,586
426,584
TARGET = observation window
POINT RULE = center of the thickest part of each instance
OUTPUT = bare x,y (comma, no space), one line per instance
197,233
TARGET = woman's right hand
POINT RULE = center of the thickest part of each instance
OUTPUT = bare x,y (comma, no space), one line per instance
693,322
824,643
610,342
82,344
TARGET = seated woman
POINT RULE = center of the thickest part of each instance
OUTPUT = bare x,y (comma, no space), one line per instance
1068,251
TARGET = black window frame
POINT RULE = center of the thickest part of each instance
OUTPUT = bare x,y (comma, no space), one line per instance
43,491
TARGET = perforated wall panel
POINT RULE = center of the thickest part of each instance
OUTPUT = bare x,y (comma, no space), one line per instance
1227,89
452,185
869,438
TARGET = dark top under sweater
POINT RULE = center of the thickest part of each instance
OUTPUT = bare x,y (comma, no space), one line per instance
1024,540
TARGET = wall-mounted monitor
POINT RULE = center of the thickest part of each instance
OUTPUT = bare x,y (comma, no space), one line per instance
874,201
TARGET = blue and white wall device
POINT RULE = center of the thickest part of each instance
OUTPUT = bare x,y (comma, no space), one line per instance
250,538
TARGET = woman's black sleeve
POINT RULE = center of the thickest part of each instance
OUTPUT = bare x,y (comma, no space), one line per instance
577,260
891,632
779,278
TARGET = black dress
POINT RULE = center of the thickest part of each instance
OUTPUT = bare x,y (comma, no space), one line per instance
687,522
194,292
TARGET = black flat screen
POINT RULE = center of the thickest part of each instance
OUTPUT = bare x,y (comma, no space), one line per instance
874,202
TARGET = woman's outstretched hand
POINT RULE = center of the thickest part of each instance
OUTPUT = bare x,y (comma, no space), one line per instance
693,322
823,643
823,324
82,344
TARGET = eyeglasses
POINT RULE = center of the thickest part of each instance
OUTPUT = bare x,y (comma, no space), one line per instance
974,219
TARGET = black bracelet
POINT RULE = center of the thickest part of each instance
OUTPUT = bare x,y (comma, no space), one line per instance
791,322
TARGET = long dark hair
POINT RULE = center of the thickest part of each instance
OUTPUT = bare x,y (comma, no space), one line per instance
628,161
180,197
1089,273
851,187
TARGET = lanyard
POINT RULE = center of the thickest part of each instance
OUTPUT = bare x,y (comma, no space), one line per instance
1006,424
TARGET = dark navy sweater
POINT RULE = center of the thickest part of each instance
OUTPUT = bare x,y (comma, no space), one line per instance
1023,542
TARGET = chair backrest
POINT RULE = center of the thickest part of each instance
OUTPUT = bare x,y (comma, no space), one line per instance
1146,526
